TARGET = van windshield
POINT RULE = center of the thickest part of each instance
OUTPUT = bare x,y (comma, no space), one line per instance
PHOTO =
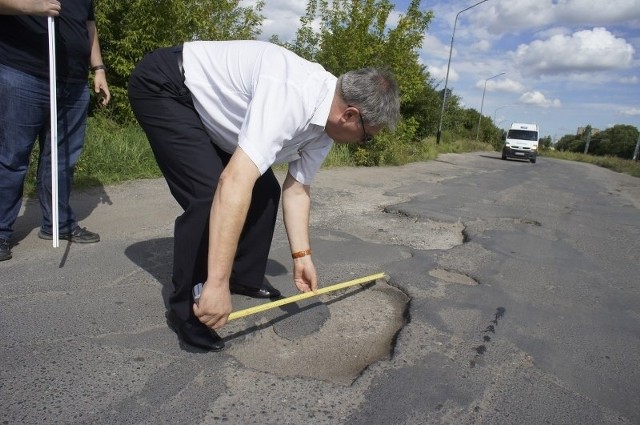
523,135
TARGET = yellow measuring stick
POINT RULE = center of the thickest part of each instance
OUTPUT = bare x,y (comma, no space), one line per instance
267,306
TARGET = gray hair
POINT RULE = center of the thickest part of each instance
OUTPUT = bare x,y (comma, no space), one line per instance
374,92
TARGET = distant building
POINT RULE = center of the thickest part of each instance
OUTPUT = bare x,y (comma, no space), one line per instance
581,131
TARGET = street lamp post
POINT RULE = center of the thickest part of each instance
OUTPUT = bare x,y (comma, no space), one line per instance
446,79
482,104
496,111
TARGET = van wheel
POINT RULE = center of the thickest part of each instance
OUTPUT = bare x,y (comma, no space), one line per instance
533,160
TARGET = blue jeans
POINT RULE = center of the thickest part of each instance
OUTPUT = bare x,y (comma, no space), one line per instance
24,117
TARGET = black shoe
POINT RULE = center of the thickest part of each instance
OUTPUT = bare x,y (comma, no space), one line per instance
195,334
5,249
266,291
77,235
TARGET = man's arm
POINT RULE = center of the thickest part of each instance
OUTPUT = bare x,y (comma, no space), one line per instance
228,214
30,7
296,206
95,59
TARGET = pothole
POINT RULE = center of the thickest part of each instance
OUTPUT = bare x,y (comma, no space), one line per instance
402,230
453,277
528,221
334,341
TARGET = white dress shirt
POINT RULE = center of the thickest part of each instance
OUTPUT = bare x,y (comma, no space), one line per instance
263,98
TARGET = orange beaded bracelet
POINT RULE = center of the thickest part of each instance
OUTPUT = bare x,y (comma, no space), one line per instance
301,253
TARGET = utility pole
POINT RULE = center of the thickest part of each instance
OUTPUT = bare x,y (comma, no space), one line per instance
588,136
637,151
446,78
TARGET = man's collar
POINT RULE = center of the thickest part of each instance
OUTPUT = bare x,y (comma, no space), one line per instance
321,115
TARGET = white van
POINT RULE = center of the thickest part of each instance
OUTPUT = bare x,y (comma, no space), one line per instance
521,142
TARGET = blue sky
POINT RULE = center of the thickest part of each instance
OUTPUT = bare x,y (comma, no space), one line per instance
567,63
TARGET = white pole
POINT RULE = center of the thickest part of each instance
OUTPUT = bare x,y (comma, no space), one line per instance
482,104
53,112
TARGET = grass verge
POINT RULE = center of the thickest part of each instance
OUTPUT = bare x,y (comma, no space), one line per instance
112,154
625,166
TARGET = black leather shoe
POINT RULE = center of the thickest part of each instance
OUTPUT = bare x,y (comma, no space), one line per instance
77,235
266,291
5,249
195,334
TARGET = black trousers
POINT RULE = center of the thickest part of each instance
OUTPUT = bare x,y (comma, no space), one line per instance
191,164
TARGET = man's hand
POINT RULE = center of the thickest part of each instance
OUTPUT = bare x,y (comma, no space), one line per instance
30,7
214,306
304,274
296,204
45,7
101,88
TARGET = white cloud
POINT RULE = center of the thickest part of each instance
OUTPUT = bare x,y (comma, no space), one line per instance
502,85
550,32
583,51
634,79
598,12
515,16
538,99
282,17
632,112
554,82
439,74
506,85
434,48
481,46
511,16
394,18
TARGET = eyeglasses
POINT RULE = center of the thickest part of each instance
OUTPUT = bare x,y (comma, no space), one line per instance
366,137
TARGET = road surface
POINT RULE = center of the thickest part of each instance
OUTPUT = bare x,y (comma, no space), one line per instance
513,297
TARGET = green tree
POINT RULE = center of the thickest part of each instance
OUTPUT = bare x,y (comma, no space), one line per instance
567,142
456,120
130,29
470,123
500,135
544,143
307,42
353,34
488,132
619,140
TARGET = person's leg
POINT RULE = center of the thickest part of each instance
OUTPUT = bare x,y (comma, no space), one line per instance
190,163
24,108
250,263
191,166
73,104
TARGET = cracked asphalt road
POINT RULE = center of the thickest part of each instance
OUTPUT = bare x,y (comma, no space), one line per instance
513,298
